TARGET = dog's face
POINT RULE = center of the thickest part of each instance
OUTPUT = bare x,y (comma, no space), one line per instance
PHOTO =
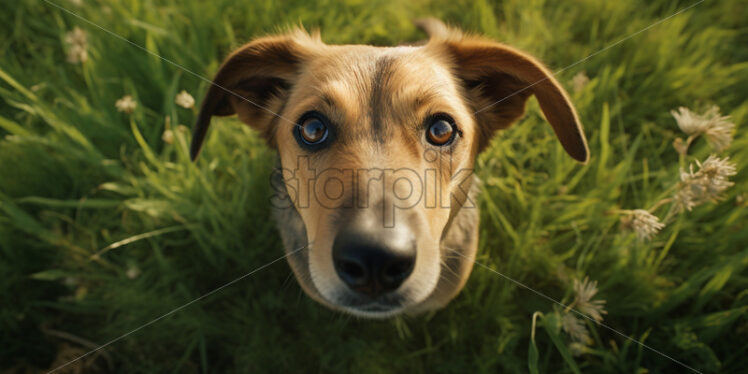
376,148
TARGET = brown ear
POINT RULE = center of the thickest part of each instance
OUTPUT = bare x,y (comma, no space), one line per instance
252,82
499,80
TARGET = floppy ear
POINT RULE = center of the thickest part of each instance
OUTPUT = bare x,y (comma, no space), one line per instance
499,79
253,82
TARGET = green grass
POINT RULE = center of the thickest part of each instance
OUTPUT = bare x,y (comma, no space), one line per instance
77,176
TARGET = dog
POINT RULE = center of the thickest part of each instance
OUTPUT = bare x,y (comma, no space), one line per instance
374,194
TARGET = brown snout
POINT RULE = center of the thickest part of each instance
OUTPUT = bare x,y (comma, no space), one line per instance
373,261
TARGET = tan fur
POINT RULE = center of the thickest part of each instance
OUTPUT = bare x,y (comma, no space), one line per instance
379,98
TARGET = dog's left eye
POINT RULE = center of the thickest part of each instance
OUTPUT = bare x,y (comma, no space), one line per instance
441,131
312,130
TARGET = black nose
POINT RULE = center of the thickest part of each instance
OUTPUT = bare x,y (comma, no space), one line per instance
373,266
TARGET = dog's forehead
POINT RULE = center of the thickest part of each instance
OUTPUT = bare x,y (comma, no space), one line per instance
366,69
358,61
375,90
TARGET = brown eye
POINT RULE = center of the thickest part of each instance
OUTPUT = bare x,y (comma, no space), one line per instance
313,131
440,132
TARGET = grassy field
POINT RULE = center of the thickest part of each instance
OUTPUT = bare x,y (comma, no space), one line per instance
105,224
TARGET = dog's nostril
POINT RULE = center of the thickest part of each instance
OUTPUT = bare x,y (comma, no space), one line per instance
398,269
396,272
352,272
351,269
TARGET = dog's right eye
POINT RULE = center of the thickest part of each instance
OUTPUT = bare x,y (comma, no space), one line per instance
312,130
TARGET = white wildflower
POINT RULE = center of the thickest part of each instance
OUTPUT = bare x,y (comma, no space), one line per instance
133,272
168,136
77,46
705,185
580,81
185,100
719,135
683,199
644,224
578,349
575,328
126,104
585,291
716,128
688,121
76,36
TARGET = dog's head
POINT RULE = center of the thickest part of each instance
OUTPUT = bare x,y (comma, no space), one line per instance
376,146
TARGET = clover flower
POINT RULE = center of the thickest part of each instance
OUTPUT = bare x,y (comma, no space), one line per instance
579,81
578,349
77,46
719,135
168,136
585,291
575,328
132,272
716,128
126,104
185,100
705,185
644,224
